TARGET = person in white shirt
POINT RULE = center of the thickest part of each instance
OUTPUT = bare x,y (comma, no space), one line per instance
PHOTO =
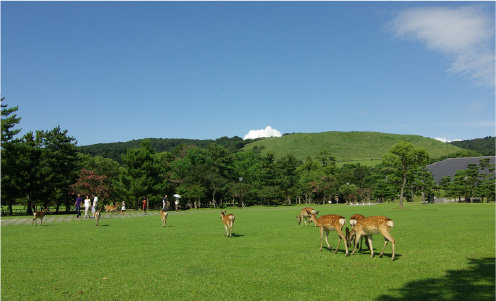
87,204
95,205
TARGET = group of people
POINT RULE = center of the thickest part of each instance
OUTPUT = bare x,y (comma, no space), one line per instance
87,205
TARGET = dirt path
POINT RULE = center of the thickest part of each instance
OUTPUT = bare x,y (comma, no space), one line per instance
70,217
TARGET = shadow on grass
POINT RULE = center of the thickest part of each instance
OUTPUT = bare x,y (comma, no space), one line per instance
474,283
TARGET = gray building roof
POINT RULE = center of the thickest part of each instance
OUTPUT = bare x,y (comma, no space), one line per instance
450,166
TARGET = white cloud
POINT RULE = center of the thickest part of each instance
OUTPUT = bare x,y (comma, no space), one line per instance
267,132
465,35
446,140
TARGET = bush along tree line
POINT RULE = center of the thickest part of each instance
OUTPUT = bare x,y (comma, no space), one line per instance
46,168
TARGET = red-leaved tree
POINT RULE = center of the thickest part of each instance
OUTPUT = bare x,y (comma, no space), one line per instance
91,184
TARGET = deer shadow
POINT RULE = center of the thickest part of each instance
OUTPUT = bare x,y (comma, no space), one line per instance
474,283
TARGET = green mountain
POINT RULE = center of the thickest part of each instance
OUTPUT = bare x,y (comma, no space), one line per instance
366,148
485,146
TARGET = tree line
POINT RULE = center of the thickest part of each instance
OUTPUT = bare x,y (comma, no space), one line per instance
46,168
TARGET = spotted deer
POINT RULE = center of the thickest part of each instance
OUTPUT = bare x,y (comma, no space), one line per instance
40,215
163,215
370,226
97,217
330,222
304,215
353,220
228,221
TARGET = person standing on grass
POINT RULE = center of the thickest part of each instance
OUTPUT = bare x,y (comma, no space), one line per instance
87,204
164,203
123,208
95,205
144,206
176,203
79,201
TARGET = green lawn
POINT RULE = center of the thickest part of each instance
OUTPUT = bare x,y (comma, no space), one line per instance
444,252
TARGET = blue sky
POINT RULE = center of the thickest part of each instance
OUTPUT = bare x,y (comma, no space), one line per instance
118,71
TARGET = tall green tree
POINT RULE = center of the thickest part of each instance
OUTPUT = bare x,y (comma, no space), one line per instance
405,157
424,180
9,153
486,186
21,172
9,121
60,165
288,177
142,175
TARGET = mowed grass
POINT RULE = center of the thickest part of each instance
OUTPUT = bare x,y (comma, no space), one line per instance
444,252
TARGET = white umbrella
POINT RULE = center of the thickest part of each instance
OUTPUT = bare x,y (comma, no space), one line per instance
177,196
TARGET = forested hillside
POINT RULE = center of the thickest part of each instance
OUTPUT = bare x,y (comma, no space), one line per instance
366,148
116,149
485,146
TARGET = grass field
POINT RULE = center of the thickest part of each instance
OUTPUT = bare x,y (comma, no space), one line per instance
444,252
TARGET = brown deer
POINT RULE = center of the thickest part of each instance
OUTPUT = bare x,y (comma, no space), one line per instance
330,222
163,215
97,217
353,220
304,215
370,226
228,220
111,208
40,215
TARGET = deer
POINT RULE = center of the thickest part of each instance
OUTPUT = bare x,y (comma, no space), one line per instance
330,222
97,217
40,215
370,226
228,220
163,215
111,208
353,220
304,215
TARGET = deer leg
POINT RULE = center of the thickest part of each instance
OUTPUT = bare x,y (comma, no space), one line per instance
387,238
321,237
369,238
357,239
342,237
327,242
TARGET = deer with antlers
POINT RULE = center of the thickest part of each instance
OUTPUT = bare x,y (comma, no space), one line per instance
163,215
40,215
228,221
330,222
370,226
304,215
